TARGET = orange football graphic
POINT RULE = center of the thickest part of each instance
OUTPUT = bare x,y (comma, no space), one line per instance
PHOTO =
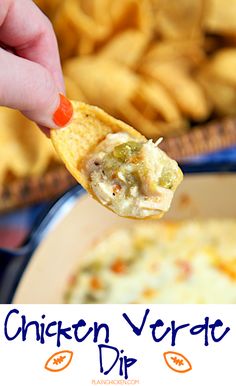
177,362
59,361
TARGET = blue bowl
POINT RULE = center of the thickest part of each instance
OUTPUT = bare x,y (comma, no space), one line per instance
13,262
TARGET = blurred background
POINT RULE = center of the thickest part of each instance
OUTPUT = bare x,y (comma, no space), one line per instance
165,67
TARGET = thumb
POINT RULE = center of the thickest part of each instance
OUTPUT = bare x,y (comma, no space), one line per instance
29,87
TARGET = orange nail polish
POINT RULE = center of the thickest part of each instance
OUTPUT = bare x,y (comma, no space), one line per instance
64,112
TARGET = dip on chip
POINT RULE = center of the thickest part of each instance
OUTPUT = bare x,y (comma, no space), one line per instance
132,177
117,165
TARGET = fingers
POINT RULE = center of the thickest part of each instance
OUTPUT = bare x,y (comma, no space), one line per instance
24,27
31,80
30,88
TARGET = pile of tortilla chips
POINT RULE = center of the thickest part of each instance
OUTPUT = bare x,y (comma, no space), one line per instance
25,150
160,65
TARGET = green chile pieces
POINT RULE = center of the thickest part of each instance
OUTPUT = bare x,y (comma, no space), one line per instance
124,151
121,154
167,178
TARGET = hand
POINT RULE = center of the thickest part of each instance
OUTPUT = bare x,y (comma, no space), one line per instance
30,70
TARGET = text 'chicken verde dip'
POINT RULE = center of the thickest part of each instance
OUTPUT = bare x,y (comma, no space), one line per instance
132,177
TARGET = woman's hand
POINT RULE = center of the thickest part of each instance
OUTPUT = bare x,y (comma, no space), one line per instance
30,70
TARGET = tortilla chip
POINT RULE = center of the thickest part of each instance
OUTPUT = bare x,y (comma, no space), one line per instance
85,46
218,79
25,150
73,91
138,101
222,95
104,83
219,16
89,127
79,28
131,14
187,93
82,22
223,66
63,28
152,111
154,95
118,49
178,19
188,53
75,142
99,10
150,129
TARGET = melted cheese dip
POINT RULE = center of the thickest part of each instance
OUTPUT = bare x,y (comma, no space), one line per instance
184,262
132,177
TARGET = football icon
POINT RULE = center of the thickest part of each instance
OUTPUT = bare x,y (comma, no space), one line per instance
59,361
177,362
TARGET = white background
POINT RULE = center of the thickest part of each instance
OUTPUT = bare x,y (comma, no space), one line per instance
23,362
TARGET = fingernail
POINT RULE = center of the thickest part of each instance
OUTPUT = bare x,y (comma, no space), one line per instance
64,112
